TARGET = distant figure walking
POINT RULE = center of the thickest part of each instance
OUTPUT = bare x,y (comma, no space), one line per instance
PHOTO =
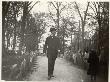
51,48
93,61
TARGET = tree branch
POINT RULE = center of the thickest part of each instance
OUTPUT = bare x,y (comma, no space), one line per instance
51,14
86,11
58,4
78,11
29,3
95,7
62,8
53,5
33,6
92,9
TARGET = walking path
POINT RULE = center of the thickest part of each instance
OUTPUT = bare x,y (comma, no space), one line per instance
63,71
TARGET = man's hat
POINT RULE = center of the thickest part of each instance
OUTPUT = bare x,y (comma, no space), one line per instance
52,29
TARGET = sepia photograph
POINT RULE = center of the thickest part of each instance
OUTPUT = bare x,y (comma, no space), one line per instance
55,40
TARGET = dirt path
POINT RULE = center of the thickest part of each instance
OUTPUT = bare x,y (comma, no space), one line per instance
64,71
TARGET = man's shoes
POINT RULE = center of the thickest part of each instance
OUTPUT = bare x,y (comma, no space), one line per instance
49,77
52,76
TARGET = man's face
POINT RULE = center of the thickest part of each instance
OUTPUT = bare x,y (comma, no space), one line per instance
53,33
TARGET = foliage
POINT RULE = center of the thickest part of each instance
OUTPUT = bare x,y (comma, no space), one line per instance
17,24
101,10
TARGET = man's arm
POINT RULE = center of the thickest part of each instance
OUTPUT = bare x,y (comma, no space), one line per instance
45,46
59,45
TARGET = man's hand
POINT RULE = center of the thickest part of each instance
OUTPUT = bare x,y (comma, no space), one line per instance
44,53
58,51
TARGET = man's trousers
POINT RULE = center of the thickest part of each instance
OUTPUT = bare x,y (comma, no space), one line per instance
51,63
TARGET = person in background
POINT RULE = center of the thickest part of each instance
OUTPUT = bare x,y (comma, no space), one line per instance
93,61
52,47
86,56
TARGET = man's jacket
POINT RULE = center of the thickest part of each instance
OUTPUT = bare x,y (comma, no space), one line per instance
52,45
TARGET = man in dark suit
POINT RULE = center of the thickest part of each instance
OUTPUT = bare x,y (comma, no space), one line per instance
52,47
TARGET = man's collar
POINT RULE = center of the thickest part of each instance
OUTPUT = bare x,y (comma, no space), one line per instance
52,36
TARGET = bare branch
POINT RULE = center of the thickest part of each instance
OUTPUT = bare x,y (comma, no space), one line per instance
51,14
53,5
33,5
29,3
78,11
58,4
62,8
92,9
95,7
86,11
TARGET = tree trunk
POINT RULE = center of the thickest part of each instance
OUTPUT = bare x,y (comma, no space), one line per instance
79,36
99,32
63,40
58,20
5,6
25,12
8,40
14,40
83,36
